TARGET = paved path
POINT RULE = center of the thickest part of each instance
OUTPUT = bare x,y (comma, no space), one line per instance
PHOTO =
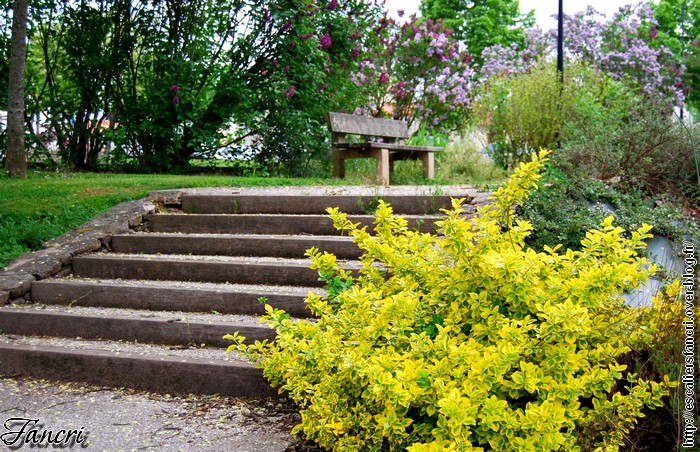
115,420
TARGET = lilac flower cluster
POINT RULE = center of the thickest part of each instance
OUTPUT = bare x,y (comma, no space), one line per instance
175,89
325,41
420,75
620,46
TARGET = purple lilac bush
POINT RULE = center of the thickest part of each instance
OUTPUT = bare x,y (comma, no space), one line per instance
621,46
418,75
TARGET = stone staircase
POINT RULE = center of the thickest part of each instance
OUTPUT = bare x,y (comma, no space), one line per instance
150,308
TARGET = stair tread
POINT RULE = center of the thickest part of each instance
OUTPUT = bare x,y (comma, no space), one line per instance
262,260
291,215
214,235
124,348
233,320
194,285
113,319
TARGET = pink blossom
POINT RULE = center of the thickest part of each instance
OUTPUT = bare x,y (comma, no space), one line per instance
325,41
174,88
176,100
306,36
653,31
332,5
287,25
383,78
290,91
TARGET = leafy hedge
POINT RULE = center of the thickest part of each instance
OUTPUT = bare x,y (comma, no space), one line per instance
468,340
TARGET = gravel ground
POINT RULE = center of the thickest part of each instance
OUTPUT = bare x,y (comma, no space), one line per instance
127,420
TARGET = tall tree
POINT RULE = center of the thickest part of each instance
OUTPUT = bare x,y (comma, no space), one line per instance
5,35
679,29
164,80
480,23
16,157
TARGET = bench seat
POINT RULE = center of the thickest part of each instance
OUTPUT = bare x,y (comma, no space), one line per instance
389,146
381,136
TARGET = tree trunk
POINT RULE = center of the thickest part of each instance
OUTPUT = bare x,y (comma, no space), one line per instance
16,157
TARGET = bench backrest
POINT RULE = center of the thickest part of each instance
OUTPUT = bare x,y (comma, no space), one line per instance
340,124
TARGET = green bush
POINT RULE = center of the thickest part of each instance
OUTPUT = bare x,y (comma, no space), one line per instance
525,112
468,340
565,208
634,142
463,160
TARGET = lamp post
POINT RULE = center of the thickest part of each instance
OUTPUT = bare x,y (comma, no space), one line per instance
560,41
560,58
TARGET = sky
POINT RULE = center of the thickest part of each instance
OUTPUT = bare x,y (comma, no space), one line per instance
543,8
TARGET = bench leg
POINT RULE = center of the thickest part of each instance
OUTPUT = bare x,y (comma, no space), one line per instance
382,157
338,163
428,164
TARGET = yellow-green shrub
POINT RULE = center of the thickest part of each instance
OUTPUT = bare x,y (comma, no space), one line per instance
467,340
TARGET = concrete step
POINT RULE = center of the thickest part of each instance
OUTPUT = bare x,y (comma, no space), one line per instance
233,244
315,204
171,296
215,269
269,223
138,366
163,327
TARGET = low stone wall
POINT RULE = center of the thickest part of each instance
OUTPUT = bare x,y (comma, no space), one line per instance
57,255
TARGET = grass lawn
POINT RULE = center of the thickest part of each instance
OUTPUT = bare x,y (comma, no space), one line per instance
46,204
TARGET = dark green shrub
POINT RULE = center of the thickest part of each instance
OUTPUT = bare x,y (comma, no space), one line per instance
525,112
635,143
565,208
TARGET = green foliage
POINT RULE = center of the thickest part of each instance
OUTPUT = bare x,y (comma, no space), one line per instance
635,141
479,24
416,73
5,34
29,233
425,137
525,112
679,29
565,208
164,80
282,149
463,160
466,341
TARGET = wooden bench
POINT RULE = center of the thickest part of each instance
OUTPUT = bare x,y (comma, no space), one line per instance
380,144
